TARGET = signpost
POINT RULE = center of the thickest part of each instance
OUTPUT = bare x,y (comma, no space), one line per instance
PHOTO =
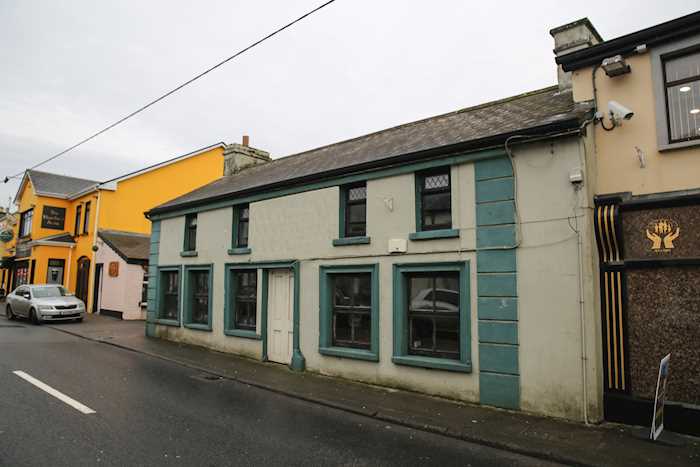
657,422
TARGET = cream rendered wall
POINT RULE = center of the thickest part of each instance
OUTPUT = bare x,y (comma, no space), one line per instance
303,226
121,293
618,164
550,278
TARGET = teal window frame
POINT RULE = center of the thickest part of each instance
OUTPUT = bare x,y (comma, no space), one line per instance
420,233
325,345
187,297
229,306
343,239
159,296
400,351
235,248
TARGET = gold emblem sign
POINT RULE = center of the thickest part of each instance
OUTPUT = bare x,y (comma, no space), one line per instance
662,233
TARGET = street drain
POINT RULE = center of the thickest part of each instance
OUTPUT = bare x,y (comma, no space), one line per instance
208,377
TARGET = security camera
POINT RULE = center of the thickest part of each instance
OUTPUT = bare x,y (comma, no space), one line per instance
619,112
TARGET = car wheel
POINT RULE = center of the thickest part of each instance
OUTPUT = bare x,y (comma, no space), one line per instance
8,313
33,316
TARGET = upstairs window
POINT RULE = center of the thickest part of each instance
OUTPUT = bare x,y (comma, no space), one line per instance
25,223
241,220
86,221
682,84
434,200
190,232
355,210
76,227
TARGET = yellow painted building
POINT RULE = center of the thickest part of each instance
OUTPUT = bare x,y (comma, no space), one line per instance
58,217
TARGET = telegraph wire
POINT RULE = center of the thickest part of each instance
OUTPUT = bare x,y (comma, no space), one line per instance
172,91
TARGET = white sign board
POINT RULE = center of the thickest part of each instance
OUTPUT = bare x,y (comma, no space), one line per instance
657,422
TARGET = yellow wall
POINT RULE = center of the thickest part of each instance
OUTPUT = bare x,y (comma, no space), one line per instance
618,164
29,199
123,209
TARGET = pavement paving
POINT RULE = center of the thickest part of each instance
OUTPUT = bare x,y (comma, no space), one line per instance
540,437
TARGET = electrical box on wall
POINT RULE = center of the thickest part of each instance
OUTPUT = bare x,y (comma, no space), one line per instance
397,245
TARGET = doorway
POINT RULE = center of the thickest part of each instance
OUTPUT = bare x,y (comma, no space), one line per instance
280,315
97,286
54,273
81,285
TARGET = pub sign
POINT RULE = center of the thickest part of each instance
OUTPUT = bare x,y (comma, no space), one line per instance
53,217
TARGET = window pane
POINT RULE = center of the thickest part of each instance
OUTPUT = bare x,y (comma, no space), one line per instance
170,285
420,293
242,233
447,293
246,300
199,283
357,212
244,213
352,301
447,335
436,181
684,67
437,201
421,337
684,110
357,193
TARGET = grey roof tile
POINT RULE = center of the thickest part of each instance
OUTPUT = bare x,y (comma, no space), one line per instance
535,109
54,184
131,246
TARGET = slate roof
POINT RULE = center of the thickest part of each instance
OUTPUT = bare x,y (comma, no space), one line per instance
476,127
131,246
58,185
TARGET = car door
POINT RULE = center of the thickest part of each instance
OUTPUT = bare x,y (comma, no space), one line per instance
20,303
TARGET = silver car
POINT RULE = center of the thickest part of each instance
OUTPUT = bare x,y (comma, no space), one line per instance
41,303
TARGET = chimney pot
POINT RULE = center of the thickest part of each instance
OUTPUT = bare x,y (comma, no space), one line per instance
246,140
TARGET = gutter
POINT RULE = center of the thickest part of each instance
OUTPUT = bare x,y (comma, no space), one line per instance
492,142
625,45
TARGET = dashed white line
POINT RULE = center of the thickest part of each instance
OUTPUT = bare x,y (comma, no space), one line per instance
57,394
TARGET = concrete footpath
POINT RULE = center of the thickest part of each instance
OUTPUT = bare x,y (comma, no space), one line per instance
541,437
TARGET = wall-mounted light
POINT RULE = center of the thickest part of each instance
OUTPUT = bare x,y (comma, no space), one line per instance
615,66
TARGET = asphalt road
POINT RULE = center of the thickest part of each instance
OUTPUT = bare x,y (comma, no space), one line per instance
150,412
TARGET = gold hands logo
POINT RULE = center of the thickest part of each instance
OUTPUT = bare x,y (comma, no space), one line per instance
662,233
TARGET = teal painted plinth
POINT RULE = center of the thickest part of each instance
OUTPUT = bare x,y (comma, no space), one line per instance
499,390
498,332
503,308
498,358
497,285
498,189
493,168
495,261
496,213
298,362
495,237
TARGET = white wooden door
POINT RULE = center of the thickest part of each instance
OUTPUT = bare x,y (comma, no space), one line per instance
279,315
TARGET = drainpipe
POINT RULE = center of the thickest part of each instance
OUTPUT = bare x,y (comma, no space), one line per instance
66,279
298,362
91,290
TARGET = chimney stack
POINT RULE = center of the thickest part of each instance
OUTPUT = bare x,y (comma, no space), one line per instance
571,37
238,157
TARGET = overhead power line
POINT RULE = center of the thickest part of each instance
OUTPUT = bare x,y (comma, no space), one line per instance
172,91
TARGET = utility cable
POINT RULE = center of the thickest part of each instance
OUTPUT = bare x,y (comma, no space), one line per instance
172,91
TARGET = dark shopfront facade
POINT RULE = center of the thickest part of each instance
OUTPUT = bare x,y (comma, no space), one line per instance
649,249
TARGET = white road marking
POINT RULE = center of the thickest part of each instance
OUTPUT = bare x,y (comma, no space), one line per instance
57,394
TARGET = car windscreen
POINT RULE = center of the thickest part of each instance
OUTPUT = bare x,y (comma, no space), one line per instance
49,292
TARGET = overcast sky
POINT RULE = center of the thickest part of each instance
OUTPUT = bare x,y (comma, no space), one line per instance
69,68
